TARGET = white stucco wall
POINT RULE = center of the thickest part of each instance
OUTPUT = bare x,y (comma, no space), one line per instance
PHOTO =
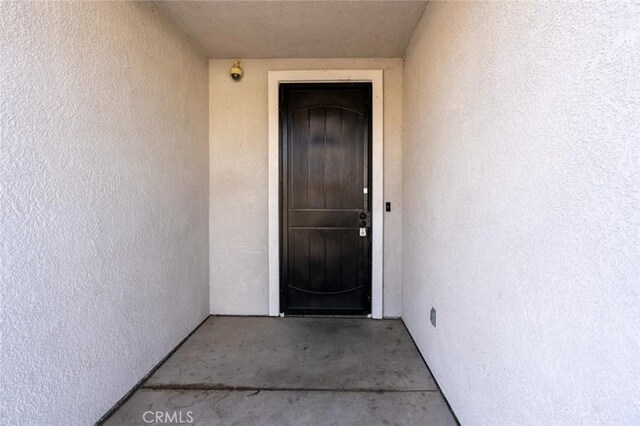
104,200
521,183
238,138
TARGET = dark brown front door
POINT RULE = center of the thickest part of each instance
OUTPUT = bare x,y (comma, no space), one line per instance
325,198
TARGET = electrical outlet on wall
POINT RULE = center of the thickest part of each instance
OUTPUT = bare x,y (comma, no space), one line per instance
432,316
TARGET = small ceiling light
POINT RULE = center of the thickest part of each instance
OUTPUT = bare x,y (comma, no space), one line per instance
236,71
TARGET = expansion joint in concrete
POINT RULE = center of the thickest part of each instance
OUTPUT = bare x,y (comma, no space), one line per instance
222,387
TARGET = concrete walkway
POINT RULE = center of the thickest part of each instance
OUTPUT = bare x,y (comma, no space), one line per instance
291,371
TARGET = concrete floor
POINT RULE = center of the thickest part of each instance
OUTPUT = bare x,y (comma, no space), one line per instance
292,371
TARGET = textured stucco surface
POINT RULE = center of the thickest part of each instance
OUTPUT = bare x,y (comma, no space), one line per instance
298,29
238,187
104,200
521,198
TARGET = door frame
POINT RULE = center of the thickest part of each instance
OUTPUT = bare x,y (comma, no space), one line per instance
377,162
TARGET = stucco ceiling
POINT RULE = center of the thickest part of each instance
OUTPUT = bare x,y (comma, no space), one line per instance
297,29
